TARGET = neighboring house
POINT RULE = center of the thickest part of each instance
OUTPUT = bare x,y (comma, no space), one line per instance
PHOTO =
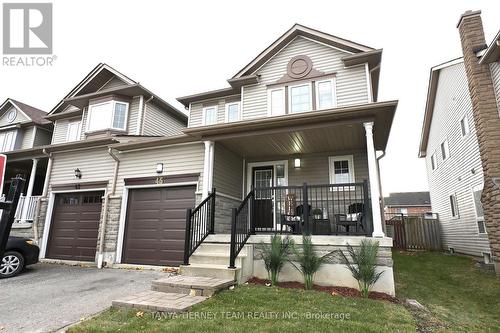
407,203
295,137
22,129
459,143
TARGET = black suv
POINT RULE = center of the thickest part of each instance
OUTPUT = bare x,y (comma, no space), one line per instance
19,253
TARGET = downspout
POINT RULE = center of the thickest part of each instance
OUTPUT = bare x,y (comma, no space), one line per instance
382,212
44,194
100,257
141,124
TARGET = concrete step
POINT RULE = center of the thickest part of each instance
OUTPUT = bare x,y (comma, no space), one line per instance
210,270
215,258
158,301
220,248
191,285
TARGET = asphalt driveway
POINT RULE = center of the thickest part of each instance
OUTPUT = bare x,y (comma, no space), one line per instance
48,297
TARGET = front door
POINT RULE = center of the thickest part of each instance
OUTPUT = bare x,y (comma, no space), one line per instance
262,181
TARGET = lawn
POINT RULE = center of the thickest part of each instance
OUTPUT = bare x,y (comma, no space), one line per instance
364,315
459,297
457,293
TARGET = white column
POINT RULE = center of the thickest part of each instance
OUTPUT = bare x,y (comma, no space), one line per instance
29,190
374,181
207,168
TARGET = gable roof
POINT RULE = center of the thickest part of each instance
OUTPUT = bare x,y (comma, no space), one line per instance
492,53
91,85
288,36
429,105
408,199
37,116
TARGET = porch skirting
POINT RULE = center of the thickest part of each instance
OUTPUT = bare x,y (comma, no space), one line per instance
334,273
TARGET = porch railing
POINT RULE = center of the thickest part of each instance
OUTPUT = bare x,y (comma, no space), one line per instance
32,202
199,224
242,226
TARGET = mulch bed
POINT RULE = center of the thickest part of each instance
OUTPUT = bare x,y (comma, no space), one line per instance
342,291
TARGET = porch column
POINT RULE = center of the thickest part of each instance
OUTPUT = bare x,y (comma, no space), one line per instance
208,168
29,191
374,181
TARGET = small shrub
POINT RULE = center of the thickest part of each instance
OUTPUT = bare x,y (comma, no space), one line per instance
275,255
309,262
363,264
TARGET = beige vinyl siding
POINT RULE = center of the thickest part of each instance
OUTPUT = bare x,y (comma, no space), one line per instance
462,170
113,83
178,159
42,137
27,137
61,130
351,82
95,164
228,171
19,118
133,115
159,122
196,114
495,75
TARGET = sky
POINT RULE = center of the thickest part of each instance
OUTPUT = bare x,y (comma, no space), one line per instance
177,48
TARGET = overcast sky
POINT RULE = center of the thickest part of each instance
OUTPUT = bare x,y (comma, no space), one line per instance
176,48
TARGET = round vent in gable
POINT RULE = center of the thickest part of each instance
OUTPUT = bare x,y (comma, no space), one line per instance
299,66
11,116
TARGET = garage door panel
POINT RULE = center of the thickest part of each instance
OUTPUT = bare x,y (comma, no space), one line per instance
75,226
155,225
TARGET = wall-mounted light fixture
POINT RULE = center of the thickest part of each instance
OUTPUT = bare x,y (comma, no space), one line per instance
159,168
296,162
78,173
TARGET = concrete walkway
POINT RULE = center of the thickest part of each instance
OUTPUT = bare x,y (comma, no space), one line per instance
48,297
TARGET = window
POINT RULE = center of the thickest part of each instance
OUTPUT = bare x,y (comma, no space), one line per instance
453,205
210,115
300,98
464,126
476,193
433,161
7,141
341,169
276,102
325,94
73,133
232,112
107,115
445,150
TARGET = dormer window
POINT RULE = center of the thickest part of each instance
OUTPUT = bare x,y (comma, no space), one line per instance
107,115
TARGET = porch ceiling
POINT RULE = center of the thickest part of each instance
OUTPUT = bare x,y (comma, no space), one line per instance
333,138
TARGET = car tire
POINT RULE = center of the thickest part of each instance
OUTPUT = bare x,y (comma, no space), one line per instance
11,265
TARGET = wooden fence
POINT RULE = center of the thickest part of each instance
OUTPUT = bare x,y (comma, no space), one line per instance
414,232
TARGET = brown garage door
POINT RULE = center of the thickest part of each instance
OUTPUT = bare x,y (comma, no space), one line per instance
155,225
75,225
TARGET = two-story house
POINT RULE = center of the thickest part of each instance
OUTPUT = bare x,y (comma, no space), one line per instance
292,146
23,129
459,143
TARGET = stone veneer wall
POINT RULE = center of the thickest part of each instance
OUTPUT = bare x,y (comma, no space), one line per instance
223,211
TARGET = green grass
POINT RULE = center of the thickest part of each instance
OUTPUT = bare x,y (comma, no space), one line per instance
365,315
458,294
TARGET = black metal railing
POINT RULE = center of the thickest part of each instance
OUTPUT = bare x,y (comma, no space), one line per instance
242,226
199,224
326,209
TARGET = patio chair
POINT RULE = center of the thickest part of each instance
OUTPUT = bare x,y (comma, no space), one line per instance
353,218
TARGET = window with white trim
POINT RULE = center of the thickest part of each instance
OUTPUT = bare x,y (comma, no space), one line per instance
478,208
325,94
73,132
453,206
7,141
107,115
445,150
210,115
341,169
232,112
433,161
300,99
464,126
276,101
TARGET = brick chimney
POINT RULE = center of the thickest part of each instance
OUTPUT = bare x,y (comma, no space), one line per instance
487,121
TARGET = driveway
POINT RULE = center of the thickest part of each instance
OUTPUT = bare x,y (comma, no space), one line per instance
47,297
